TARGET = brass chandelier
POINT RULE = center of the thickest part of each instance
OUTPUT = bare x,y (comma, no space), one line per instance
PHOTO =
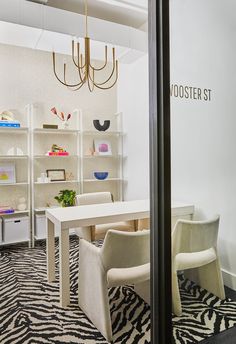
86,72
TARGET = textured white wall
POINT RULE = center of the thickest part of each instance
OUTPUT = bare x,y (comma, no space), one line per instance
133,102
203,133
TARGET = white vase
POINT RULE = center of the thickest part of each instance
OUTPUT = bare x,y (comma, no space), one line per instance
65,125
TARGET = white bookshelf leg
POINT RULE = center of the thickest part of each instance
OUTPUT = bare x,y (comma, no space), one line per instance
50,251
64,267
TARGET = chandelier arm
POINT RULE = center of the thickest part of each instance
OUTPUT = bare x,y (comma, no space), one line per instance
89,75
77,88
115,66
91,80
113,69
55,73
107,88
81,66
73,53
105,64
82,77
89,85
82,80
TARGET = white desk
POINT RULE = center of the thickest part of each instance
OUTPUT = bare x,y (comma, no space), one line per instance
90,215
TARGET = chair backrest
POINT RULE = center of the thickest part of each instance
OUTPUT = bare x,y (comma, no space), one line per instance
94,198
125,249
194,236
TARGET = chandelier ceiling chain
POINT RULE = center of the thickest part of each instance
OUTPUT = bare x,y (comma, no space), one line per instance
85,70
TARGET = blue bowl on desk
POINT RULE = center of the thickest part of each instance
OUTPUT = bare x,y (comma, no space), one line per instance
100,175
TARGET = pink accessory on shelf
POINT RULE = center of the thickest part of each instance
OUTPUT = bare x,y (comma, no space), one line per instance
58,153
103,147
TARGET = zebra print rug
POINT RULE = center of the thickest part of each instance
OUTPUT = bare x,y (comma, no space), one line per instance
29,310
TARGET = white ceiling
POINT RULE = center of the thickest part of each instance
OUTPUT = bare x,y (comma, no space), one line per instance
127,12
50,29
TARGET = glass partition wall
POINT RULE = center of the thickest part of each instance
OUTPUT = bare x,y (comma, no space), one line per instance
202,79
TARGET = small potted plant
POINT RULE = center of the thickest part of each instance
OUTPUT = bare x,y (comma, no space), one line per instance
66,198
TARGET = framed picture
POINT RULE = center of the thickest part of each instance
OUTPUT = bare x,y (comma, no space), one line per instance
56,175
7,173
102,147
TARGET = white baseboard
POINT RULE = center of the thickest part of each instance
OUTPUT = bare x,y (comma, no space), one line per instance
229,279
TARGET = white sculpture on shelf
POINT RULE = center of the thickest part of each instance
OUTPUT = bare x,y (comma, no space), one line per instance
22,204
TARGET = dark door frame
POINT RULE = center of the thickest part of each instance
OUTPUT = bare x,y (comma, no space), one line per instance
160,171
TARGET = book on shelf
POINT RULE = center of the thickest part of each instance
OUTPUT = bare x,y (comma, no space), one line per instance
9,124
6,210
57,154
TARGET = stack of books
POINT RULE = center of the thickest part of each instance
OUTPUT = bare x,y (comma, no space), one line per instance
57,153
9,124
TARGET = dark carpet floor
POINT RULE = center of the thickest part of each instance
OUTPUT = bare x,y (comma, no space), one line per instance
30,313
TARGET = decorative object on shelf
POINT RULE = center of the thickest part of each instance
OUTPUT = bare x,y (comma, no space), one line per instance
50,126
43,178
101,127
21,206
7,173
7,116
69,176
101,175
66,198
84,68
89,152
7,120
15,151
57,151
57,175
5,209
102,147
62,117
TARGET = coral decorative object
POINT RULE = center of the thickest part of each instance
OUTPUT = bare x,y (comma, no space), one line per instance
62,117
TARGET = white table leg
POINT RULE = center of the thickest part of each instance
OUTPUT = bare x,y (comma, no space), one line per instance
64,267
50,251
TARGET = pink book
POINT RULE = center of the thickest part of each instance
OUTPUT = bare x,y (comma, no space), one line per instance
58,153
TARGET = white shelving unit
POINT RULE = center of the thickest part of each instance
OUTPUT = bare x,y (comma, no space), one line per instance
113,164
35,141
16,139
41,141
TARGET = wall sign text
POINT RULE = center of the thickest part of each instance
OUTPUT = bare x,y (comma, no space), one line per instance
190,92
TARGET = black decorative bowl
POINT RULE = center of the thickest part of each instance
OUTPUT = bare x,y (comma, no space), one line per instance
101,127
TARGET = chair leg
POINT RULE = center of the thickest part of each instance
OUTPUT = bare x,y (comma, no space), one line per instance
93,292
210,278
143,290
93,233
176,301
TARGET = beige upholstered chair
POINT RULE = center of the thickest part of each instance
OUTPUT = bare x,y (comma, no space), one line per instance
99,231
123,259
194,247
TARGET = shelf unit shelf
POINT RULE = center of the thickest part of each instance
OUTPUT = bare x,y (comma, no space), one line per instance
55,156
14,184
102,133
102,180
12,157
58,182
56,131
8,130
16,212
102,156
